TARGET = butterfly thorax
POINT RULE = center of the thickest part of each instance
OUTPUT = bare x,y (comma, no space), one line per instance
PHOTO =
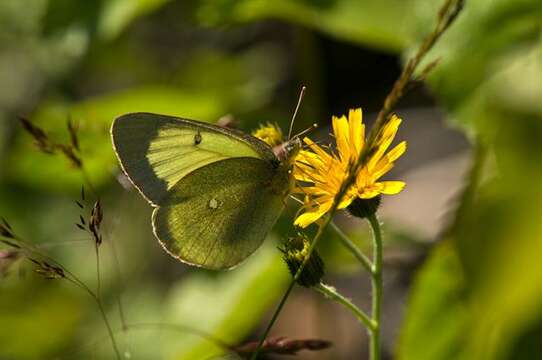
286,153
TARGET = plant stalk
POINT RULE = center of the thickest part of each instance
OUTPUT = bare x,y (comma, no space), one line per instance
349,244
294,280
332,293
376,283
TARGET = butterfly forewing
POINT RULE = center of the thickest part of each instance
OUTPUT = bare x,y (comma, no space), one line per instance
156,151
219,214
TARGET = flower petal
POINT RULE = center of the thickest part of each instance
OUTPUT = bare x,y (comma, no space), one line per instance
380,169
392,187
341,132
316,149
397,151
357,128
308,218
384,140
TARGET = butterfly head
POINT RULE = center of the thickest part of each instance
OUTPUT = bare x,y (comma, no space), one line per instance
285,155
287,151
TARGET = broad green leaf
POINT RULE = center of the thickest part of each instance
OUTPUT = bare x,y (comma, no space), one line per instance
516,83
118,14
436,315
18,19
473,49
224,305
528,343
488,78
230,356
378,23
36,326
94,117
499,239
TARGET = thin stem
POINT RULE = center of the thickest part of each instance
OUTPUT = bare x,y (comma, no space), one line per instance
333,294
349,244
161,326
82,285
98,277
88,182
29,250
109,329
119,278
446,16
294,280
273,320
86,179
71,277
376,282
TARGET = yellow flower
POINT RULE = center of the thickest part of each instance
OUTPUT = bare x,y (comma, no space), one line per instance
270,133
320,173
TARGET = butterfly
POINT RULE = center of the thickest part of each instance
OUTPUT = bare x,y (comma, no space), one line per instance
216,192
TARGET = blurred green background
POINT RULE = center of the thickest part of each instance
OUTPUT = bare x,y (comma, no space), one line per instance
464,240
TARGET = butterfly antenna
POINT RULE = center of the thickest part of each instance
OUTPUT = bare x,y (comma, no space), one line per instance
301,95
307,130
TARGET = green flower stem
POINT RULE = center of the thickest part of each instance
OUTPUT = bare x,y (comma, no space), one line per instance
376,282
331,293
296,276
349,244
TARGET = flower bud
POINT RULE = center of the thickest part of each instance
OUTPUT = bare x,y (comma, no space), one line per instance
295,251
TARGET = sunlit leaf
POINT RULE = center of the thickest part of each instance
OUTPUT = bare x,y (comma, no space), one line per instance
37,326
381,24
226,305
94,117
488,78
493,33
436,317
117,14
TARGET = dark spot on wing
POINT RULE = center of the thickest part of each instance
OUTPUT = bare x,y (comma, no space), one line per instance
197,138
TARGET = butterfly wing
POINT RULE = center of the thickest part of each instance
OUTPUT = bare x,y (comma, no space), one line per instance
156,151
219,214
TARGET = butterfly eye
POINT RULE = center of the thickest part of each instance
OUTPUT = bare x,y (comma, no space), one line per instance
197,138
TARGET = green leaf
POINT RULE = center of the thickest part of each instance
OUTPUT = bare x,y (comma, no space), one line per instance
436,316
36,326
499,240
493,33
94,116
118,14
489,79
226,305
378,23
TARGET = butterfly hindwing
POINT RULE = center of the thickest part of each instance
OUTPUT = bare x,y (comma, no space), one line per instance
156,151
219,214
